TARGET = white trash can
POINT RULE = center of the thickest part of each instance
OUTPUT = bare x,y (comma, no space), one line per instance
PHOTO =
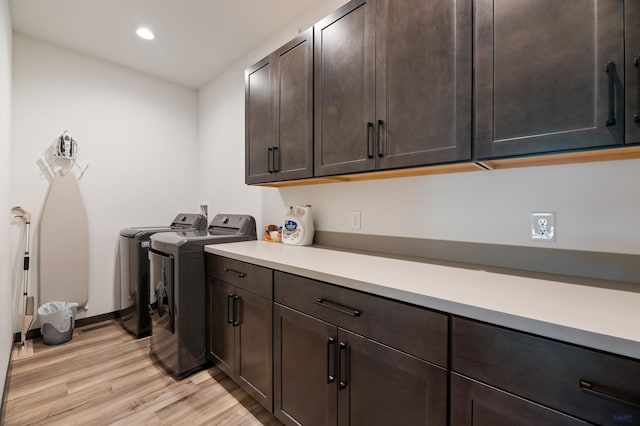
56,321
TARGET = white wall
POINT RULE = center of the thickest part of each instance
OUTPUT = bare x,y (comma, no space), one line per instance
138,133
221,126
6,331
597,209
597,205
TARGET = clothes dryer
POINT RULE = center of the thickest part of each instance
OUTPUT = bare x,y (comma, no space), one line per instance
178,277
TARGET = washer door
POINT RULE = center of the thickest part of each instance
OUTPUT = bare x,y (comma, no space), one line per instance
162,284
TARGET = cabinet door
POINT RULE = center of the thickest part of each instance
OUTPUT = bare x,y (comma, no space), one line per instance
632,46
254,354
475,404
344,90
221,330
259,124
423,82
305,369
293,95
548,75
379,385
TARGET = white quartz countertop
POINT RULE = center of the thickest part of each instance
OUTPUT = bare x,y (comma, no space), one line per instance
592,314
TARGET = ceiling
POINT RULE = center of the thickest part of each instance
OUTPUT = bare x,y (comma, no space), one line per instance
195,39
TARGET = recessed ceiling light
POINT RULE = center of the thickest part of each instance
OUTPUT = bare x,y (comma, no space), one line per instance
145,33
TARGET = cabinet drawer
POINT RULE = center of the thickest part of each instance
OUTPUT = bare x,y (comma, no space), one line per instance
594,386
416,331
473,403
256,279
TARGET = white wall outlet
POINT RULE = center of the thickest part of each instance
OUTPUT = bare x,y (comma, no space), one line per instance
543,226
355,220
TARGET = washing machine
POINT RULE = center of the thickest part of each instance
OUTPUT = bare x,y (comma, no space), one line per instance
134,270
178,278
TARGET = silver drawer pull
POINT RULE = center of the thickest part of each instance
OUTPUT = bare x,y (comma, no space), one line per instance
608,393
337,307
240,274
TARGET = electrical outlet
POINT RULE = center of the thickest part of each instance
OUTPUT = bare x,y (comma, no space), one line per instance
355,220
543,226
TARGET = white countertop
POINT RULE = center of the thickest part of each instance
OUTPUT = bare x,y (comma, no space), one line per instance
597,316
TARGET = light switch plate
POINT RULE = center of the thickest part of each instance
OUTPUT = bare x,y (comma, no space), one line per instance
355,220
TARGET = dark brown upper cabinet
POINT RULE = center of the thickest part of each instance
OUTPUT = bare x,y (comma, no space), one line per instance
259,128
279,114
423,82
344,57
632,60
392,85
548,76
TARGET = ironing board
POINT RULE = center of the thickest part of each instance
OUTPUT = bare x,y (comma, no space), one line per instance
63,249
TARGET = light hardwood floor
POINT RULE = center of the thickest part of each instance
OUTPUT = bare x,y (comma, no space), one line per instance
103,376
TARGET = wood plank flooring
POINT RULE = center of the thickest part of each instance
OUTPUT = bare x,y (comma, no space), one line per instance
103,376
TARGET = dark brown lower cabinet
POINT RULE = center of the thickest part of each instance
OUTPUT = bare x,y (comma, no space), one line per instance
302,347
476,404
387,387
325,375
222,334
240,338
594,386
